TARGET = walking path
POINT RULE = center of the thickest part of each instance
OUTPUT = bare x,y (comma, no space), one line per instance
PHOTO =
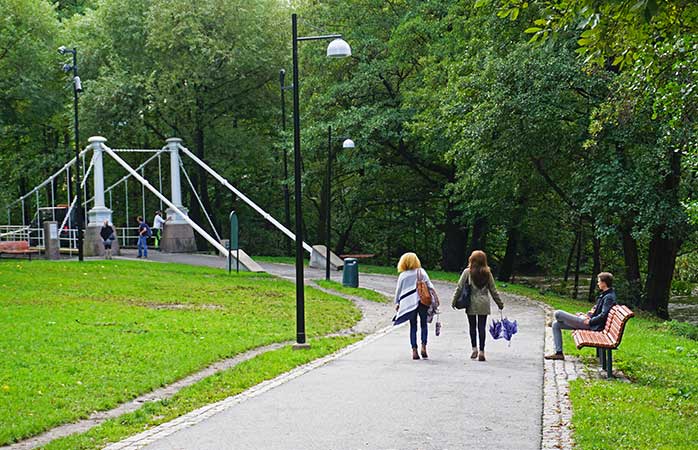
375,396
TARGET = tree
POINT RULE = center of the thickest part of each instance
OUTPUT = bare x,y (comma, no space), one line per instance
30,94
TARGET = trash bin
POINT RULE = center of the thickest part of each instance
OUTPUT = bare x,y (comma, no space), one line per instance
350,273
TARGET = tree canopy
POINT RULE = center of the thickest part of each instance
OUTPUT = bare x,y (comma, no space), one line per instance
559,136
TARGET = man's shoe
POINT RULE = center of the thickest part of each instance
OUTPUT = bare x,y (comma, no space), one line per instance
555,356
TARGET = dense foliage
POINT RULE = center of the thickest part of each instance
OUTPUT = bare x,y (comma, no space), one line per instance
559,136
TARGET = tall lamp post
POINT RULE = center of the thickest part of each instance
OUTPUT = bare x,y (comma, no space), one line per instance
77,88
338,48
348,143
287,201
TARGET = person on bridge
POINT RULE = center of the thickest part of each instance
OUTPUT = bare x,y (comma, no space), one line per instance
108,236
594,320
144,233
407,303
479,276
158,224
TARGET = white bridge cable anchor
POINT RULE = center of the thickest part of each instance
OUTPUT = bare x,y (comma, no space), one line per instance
244,198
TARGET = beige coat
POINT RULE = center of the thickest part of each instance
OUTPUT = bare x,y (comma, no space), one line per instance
479,298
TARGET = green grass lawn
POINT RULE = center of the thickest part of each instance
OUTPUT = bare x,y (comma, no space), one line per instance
278,259
367,294
80,337
212,389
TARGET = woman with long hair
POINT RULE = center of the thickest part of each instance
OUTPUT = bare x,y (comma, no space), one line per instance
407,302
479,276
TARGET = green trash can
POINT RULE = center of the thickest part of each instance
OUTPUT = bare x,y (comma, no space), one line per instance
350,273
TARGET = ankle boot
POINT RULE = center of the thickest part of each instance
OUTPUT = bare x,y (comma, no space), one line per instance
424,351
481,356
415,355
473,355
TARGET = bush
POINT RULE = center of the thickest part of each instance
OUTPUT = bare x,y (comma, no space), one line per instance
683,329
687,268
680,287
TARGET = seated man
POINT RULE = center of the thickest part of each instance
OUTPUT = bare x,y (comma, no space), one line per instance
594,320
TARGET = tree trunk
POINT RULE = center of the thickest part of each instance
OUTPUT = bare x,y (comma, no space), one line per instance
454,243
479,237
322,212
23,190
568,267
632,265
580,240
596,269
660,271
513,234
343,238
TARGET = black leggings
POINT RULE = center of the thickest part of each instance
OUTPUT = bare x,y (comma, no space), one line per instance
481,329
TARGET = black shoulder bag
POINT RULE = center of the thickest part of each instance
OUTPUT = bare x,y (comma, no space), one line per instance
463,301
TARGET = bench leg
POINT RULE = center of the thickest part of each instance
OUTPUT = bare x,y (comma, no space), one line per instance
602,357
609,364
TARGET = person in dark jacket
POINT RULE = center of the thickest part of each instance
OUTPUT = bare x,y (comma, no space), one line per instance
594,320
107,235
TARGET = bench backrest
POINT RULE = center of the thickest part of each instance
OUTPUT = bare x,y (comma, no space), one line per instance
14,245
615,323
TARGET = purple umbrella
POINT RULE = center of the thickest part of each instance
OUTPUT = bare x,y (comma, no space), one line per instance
496,329
509,329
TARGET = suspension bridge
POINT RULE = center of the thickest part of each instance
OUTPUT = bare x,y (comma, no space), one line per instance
53,201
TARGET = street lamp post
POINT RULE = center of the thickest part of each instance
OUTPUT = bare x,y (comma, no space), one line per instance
77,88
338,48
287,201
348,143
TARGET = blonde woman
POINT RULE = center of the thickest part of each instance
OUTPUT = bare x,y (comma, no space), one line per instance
479,276
407,302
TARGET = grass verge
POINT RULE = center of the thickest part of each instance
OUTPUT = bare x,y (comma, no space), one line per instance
84,337
390,270
215,388
367,294
279,260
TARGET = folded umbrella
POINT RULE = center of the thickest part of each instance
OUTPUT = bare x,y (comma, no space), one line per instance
509,329
496,329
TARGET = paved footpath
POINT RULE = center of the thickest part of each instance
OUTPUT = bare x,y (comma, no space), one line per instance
377,397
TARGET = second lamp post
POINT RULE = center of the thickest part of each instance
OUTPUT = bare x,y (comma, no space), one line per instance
348,143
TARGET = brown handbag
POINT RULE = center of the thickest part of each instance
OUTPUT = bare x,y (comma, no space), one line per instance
423,290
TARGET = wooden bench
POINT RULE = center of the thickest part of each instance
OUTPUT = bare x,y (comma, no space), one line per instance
358,256
16,248
607,339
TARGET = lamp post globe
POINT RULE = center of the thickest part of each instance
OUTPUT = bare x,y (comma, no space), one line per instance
348,143
338,48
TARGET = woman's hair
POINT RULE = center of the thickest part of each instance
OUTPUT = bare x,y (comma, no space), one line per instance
408,261
479,270
607,278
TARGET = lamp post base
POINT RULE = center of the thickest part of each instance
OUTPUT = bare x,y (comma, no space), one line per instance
298,346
